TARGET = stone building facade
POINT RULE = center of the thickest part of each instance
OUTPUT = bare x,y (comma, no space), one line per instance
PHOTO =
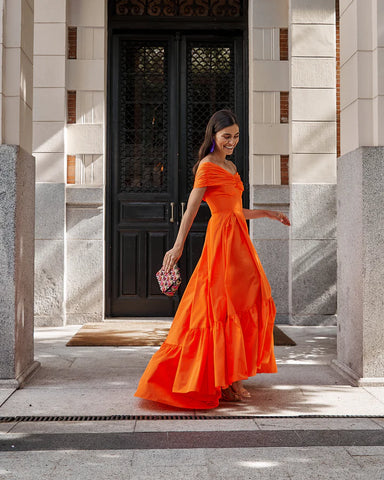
56,93
292,62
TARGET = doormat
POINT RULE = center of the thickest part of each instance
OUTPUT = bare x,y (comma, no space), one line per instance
138,333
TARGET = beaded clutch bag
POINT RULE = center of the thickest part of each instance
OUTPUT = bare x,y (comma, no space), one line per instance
170,281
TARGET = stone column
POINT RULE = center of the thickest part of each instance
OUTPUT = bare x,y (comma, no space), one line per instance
312,161
49,121
360,340
17,184
268,141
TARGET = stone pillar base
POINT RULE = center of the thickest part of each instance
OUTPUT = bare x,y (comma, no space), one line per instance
17,223
360,241
354,379
22,378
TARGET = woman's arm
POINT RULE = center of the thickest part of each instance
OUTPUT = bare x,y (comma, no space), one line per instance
172,256
256,213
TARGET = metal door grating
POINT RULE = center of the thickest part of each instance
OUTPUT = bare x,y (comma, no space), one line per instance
143,116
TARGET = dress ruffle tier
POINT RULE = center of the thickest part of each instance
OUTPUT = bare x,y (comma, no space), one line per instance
223,328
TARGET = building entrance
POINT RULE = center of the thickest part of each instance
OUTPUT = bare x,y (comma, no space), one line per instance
163,87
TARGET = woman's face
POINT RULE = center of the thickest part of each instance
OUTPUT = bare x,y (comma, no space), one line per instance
227,139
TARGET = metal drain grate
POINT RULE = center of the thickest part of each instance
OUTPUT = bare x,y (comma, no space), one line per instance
98,418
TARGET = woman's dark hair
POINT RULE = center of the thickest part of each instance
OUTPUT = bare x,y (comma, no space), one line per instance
218,121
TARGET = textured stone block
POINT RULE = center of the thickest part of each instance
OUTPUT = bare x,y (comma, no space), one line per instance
356,76
50,210
26,73
50,167
50,11
348,40
344,4
12,61
27,30
349,119
49,279
52,320
313,209
17,196
380,29
85,139
373,272
313,270
314,319
270,76
49,39
49,71
85,196
313,104
265,13
49,104
313,72
380,66
274,256
271,242
86,13
84,223
265,228
271,139
313,168
25,127
82,318
84,277
12,23
11,109
313,40
48,137
308,11
271,195
360,261
85,75
314,137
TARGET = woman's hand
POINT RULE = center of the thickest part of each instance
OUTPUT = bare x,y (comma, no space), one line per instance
280,217
171,257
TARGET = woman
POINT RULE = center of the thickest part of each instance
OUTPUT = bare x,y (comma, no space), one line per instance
222,332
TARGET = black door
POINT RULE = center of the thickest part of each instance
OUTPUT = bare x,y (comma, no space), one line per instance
163,89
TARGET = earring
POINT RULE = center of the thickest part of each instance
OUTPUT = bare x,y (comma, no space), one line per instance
213,146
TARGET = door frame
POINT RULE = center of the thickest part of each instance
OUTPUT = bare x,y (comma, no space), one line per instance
145,25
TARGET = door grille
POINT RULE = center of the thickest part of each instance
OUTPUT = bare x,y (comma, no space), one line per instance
143,116
210,87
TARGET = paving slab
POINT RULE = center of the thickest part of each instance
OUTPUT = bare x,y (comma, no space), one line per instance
175,440
80,401
5,393
305,463
74,427
342,400
65,465
7,427
318,424
196,425
102,381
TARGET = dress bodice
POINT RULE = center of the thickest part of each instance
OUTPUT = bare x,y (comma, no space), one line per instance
224,189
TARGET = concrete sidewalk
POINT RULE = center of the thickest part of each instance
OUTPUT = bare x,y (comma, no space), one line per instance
282,433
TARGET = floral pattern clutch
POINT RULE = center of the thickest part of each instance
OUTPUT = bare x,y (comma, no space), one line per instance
170,281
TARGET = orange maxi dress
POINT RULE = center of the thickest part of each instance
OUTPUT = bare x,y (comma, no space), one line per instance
223,328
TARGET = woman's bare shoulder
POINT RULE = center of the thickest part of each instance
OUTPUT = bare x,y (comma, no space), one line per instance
205,160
